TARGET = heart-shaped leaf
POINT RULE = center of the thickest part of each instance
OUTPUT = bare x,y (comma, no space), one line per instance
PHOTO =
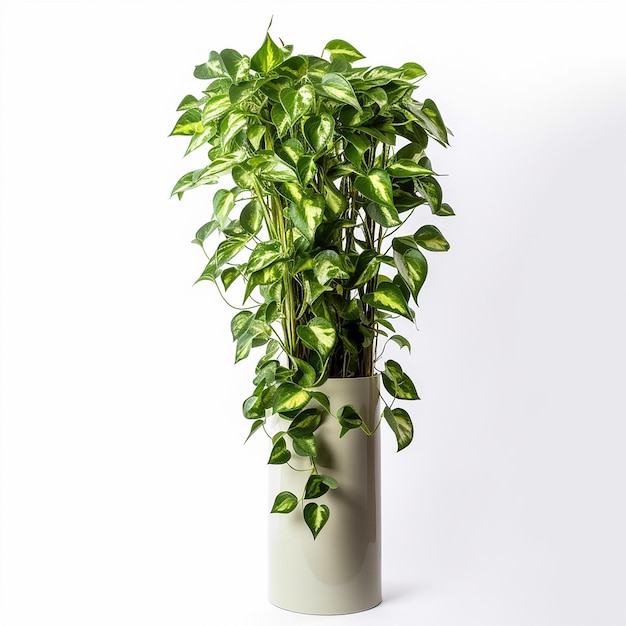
401,425
338,88
297,102
318,130
279,454
285,502
430,238
376,186
397,382
316,516
290,397
307,215
267,57
318,485
319,335
389,297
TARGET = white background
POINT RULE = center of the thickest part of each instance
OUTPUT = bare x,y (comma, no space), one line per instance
127,495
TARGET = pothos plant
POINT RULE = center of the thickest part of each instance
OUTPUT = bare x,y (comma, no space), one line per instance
326,162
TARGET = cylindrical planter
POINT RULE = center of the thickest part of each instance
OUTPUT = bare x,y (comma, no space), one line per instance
340,571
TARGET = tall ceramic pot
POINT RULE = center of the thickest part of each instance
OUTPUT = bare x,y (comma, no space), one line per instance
340,571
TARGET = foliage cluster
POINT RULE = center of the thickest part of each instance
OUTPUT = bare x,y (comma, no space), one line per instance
327,162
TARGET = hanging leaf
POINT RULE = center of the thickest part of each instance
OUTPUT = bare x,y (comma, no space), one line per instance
304,443
411,264
285,502
401,425
307,421
376,186
430,238
290,397
317,485
386,216
255,426
215,108
279,454
397,383
349,418
316,516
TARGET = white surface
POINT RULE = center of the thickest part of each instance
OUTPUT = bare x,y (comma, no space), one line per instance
509,509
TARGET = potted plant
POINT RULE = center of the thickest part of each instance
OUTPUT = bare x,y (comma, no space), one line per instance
327,170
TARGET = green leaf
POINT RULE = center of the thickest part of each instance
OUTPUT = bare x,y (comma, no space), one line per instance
274,169
290,397
279,453
297,102
388,297
367,266
306,169
412,71
431,190
188,102
188,123
205,231
306,375
280,119
251,217
319,335
253,408
406,168
266,276
403,342
336,87
401,425
318,485
230,126
223,203
304,443
229,276
430,238
267,57
348,417
342,49
240,323
316,516
263,255
307,421
444,210
336,202
236,65
412,267
213,68
215,108
429,108
307,215
318,130
397,383
255,426
376,186
327,265
386,216
294,67
285,502
199,139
